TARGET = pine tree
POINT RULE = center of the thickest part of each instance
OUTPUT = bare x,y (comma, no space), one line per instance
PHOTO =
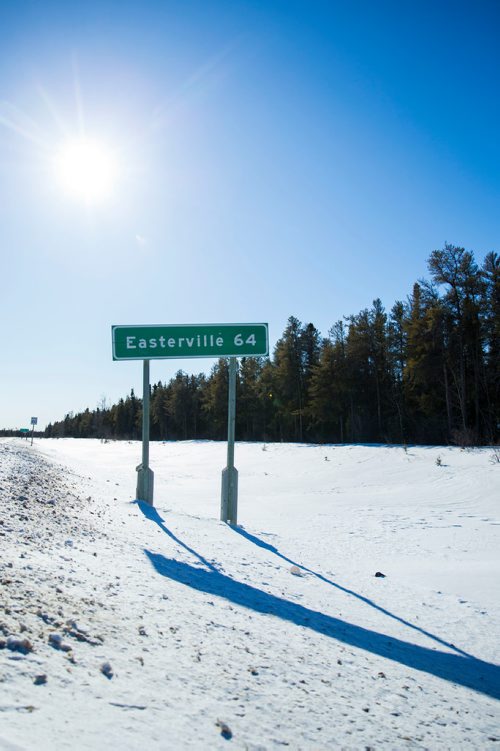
397,352
215,400
328,404
159,412
455,269
426,376
491,317
289,384
250,409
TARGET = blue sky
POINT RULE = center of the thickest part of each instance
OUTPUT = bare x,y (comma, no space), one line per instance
275,159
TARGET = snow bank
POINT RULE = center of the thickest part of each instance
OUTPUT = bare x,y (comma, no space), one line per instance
356,605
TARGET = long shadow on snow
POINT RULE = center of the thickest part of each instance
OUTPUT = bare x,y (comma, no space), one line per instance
261,544
463,670
151,513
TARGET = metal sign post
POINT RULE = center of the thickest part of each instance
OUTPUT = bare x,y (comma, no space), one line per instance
34,421
145,476
229,495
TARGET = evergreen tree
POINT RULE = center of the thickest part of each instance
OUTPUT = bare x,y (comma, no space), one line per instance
159,412
426,376
289,381
397,353
329,389
250,410
215,399
491,309
367,357
455,269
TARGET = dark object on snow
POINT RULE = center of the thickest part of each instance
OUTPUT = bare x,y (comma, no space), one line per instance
107,670
24,646
40,680
225,730
56,641
380,575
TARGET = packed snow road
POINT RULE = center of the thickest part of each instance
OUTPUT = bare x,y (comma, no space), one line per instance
125,626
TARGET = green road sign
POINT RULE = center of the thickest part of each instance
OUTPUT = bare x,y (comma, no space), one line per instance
24,430
158,342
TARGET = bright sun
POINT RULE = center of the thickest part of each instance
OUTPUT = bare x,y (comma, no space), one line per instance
86,169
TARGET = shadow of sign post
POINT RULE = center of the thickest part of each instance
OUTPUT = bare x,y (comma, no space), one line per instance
449,664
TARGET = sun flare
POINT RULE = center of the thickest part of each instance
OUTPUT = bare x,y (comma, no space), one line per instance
86,169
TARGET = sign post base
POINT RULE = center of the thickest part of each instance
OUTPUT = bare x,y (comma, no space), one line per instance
145,483
229,496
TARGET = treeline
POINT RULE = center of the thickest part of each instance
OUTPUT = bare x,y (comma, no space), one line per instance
427,371
15,433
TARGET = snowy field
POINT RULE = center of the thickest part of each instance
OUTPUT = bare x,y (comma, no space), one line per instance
129,627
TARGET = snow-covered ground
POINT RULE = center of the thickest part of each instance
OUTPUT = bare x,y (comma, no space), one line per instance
129,627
